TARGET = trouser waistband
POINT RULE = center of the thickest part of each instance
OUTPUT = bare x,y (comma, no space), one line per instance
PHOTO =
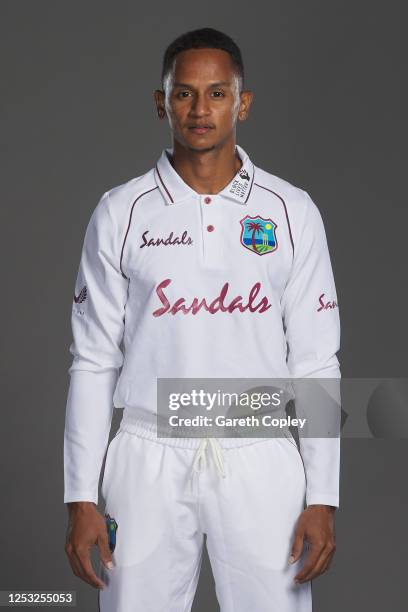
149,430
214,445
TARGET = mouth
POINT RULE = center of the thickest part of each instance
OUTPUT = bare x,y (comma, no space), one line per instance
200,129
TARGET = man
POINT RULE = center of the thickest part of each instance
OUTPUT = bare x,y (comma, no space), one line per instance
206,266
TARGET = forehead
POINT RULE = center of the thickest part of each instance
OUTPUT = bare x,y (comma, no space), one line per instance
198,65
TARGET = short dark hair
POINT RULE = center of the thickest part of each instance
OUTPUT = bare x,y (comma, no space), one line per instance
204,38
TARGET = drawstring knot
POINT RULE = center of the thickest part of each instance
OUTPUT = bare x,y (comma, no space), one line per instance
200,460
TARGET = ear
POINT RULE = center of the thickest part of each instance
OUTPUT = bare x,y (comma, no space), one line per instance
246,98
159,98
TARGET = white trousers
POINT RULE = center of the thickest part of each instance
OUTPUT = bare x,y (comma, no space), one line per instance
166,493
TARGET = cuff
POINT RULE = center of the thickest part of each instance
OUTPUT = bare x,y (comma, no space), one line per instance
80,496
326,499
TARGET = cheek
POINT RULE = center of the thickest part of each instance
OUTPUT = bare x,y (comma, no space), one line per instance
176,117
235,109
227,116
172,118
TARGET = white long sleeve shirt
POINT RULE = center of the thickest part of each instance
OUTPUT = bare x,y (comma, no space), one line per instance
156,256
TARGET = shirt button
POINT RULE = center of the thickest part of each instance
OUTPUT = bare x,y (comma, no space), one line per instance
210,228
207,200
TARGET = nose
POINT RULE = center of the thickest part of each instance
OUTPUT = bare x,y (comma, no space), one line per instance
199,106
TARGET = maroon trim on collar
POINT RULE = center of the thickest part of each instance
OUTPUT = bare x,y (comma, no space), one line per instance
286,212
128,227
161,180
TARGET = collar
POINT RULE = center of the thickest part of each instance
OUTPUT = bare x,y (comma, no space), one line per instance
175,190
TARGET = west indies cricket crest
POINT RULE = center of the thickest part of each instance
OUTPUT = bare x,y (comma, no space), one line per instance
258,234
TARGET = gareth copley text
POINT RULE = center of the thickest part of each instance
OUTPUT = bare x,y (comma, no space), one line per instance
267,420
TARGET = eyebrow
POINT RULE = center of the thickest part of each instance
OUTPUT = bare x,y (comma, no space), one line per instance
218,84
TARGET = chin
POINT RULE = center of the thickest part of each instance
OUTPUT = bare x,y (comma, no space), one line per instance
201,144
198,144
200,149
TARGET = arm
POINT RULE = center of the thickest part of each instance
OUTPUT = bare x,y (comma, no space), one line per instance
313,339
97,325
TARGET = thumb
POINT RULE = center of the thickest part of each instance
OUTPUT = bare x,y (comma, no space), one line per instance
104,551
297,546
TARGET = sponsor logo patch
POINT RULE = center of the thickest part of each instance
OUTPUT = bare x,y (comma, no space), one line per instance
326,305
81,297
170,240
220,303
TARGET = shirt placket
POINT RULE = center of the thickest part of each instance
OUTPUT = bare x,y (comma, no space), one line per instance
211,230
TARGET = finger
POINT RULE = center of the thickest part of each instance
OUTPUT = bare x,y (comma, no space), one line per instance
324,567
73,563
77,568
327,555
328,563
312,571
312,558
297,546
319,567
89,576
104,550
87,572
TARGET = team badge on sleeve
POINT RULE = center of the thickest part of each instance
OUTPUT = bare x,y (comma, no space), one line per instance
258,234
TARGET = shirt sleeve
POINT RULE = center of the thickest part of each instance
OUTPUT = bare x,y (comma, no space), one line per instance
313,339
97,321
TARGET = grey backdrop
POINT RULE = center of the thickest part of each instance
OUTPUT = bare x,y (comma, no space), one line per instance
78,118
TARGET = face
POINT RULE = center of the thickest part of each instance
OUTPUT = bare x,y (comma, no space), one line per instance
202,100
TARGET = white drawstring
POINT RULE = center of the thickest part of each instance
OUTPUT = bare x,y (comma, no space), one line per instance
200,460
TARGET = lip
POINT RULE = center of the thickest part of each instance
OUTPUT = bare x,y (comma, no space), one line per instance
200,129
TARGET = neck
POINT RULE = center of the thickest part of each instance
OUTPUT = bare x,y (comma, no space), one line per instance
206,171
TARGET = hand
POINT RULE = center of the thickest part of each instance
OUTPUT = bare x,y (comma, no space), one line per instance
316,525
86,527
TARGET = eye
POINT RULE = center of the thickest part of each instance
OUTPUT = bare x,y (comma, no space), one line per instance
183,94
218,94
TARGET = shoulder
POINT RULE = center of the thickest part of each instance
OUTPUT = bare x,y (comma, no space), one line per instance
110,216
120,199
299,205
292,196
